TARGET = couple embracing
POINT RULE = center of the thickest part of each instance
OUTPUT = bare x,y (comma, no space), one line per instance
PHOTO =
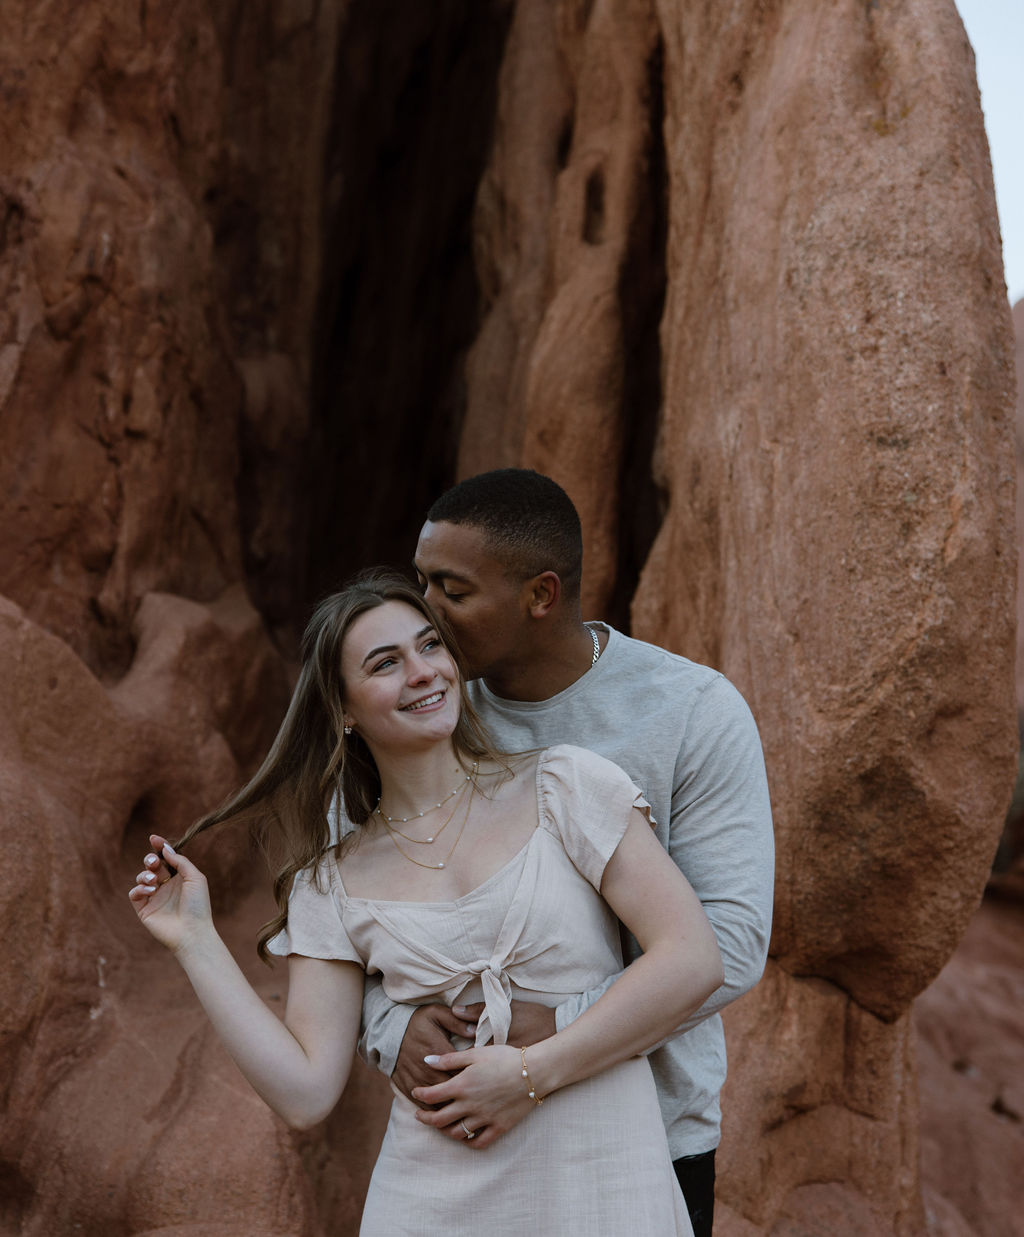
533,890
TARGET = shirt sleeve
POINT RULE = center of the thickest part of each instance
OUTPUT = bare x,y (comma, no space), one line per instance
314,928
721,839
384,1026
587,801
721,835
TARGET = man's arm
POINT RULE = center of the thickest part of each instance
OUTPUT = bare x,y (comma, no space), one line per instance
721,838
395,1038
384,1027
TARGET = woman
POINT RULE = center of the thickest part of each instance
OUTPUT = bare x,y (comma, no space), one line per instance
471,875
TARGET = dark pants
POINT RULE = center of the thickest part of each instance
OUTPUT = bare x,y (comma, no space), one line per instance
696,1174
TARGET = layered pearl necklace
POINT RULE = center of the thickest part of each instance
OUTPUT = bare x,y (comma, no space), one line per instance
426,841
404,820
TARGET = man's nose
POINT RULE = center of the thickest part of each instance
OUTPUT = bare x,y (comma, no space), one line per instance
434,597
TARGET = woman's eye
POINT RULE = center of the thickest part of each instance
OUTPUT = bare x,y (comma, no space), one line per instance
382,665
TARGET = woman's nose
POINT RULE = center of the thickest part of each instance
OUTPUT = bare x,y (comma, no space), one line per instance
419,670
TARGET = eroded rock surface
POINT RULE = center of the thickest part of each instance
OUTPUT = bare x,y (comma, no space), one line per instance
737,286
972,1079
834,484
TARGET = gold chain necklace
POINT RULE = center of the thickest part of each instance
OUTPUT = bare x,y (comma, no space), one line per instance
433,867
404,820
437,832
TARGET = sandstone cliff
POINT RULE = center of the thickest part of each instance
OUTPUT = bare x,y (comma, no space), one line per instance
271,271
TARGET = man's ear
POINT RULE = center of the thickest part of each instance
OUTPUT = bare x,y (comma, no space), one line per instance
542,594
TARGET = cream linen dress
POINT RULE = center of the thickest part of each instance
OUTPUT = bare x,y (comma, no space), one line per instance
592,1160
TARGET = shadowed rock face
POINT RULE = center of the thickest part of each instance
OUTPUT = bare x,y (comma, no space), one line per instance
270,274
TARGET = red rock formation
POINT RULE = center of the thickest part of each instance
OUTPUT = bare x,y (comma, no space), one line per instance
740,292
832,462
971,1069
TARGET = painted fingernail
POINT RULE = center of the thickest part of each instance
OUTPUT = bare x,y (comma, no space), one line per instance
148,877
170,849
460,1011
432,1060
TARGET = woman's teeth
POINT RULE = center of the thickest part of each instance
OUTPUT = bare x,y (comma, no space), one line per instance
422,704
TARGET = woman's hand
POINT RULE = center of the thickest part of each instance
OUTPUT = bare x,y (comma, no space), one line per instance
488,1096
171,897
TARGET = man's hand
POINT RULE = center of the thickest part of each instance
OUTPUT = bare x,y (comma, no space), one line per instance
531,1022
428,1034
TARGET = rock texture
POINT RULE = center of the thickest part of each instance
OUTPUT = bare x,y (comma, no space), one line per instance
1008,870
145,363
971,1069
270,272
832,469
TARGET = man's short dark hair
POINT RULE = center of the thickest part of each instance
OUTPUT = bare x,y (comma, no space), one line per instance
529,521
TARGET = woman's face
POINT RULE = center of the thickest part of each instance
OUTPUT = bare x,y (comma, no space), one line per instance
401,685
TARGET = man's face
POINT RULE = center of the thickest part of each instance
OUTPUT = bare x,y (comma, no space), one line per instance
465,583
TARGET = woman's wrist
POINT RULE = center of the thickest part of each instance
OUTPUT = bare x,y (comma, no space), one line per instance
539,1070
198,946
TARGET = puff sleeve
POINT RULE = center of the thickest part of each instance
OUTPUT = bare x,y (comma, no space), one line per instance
315,928
587,802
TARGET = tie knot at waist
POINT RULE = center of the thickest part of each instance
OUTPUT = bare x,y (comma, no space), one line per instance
493,1025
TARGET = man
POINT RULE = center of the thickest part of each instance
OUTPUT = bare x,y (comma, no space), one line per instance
500,557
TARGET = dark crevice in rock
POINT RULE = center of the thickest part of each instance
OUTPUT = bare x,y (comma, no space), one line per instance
416,92
564,148
642,296
16,1196
593,208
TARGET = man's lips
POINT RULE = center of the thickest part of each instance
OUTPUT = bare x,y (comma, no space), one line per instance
423,702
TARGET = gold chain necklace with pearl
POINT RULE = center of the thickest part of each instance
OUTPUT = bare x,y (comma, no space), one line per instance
434,867
437,832
404,820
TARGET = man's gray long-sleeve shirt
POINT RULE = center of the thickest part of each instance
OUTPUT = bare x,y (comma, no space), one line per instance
687,739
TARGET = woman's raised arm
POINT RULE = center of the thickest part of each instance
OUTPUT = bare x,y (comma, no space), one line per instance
299,1066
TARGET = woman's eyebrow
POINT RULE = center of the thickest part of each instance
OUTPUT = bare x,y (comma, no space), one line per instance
392,648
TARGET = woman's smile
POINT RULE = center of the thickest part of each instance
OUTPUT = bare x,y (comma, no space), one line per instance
435,699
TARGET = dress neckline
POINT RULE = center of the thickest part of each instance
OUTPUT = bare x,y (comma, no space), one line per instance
494,876
446,902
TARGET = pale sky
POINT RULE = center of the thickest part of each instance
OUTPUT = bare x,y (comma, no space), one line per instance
996,31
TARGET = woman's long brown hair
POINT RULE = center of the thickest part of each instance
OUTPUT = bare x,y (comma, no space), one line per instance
312,759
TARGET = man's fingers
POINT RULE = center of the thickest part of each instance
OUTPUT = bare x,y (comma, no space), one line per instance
451,1022
428,1035
471,1013
435,1110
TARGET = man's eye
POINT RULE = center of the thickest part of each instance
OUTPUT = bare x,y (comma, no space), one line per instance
453,596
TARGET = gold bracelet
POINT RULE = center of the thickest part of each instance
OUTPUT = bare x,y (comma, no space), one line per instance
529,1085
